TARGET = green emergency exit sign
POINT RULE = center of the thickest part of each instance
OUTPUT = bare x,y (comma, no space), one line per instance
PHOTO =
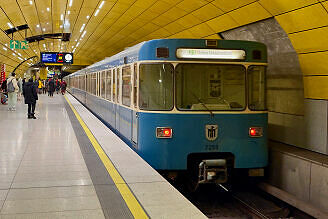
16,44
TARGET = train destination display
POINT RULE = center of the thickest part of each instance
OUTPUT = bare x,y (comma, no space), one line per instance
57,57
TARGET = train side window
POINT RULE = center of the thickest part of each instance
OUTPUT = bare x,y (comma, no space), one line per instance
108,83
126,86
135,84
114,85
256,87
118,85
103,84
93,83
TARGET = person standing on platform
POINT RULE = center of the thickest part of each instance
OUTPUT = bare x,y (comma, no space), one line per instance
12,89
39,86
31,96
51,87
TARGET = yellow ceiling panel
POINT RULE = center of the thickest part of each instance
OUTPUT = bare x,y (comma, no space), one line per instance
184,34
228,5
222,23
276,7
168,17
160,33
325,4
213,36
191,5
201,30
302,19
207,12
188,21
314,63
310,41
315,87
250,13
160,7
174,27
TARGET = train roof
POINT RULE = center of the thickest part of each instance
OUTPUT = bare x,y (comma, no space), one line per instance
147,51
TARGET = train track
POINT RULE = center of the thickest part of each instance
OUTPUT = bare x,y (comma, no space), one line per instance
217,201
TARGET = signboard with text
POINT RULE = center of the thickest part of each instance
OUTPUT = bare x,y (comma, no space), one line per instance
16,44
57,57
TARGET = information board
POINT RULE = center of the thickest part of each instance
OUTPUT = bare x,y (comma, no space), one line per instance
57,57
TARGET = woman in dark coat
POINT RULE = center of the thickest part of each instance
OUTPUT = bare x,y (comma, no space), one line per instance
51,87
31,96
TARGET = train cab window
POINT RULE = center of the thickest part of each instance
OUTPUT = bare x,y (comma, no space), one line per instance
93,83
114,85
103,84
207,87
156,86
108,84
126,85
256,87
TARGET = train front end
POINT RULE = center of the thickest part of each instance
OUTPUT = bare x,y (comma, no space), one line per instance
204,112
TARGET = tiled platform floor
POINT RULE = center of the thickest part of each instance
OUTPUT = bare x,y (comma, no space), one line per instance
42,171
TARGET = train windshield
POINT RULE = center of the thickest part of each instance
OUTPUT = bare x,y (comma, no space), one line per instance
210,87
156,86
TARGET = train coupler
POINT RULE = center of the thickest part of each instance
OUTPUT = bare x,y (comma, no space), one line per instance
213,171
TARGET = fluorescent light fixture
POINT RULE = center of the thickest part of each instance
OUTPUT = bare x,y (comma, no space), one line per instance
76,40
61,26
70,3
14,54
48,9
68,12
19,54
31,3
83,25
77,44
4,48
88,17
101,4
38,25
10,25
210,54
97,12
6,44
44,29
20,58
62,17
83,34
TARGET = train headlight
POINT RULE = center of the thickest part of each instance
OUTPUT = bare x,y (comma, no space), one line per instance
255,132
164,132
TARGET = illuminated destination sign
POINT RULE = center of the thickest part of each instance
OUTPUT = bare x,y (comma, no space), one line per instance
57,57
211,54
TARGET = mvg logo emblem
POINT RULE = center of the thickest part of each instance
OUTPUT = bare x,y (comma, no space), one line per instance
211,132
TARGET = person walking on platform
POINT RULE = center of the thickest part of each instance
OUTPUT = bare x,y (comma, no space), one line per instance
63,87
40,86
20,85
31,96
12,89
51,87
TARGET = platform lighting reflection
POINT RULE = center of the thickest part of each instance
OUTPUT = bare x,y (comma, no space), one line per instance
48,9
44,29
68,12
38,25
31,3
62,17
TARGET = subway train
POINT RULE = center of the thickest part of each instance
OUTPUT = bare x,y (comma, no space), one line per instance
195,107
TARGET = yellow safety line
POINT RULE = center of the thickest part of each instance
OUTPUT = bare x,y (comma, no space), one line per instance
130,200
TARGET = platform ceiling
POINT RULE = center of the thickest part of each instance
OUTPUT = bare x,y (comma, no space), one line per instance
122,23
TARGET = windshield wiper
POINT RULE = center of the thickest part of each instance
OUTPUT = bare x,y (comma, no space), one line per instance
203,104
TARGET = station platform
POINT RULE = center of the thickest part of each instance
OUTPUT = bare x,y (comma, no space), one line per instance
67,164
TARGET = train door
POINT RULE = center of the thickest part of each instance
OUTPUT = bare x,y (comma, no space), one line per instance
114,98
135,106
118,79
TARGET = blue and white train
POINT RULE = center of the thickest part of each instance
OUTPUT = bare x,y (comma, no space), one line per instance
184,105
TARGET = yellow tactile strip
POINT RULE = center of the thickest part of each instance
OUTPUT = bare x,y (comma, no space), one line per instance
130,200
